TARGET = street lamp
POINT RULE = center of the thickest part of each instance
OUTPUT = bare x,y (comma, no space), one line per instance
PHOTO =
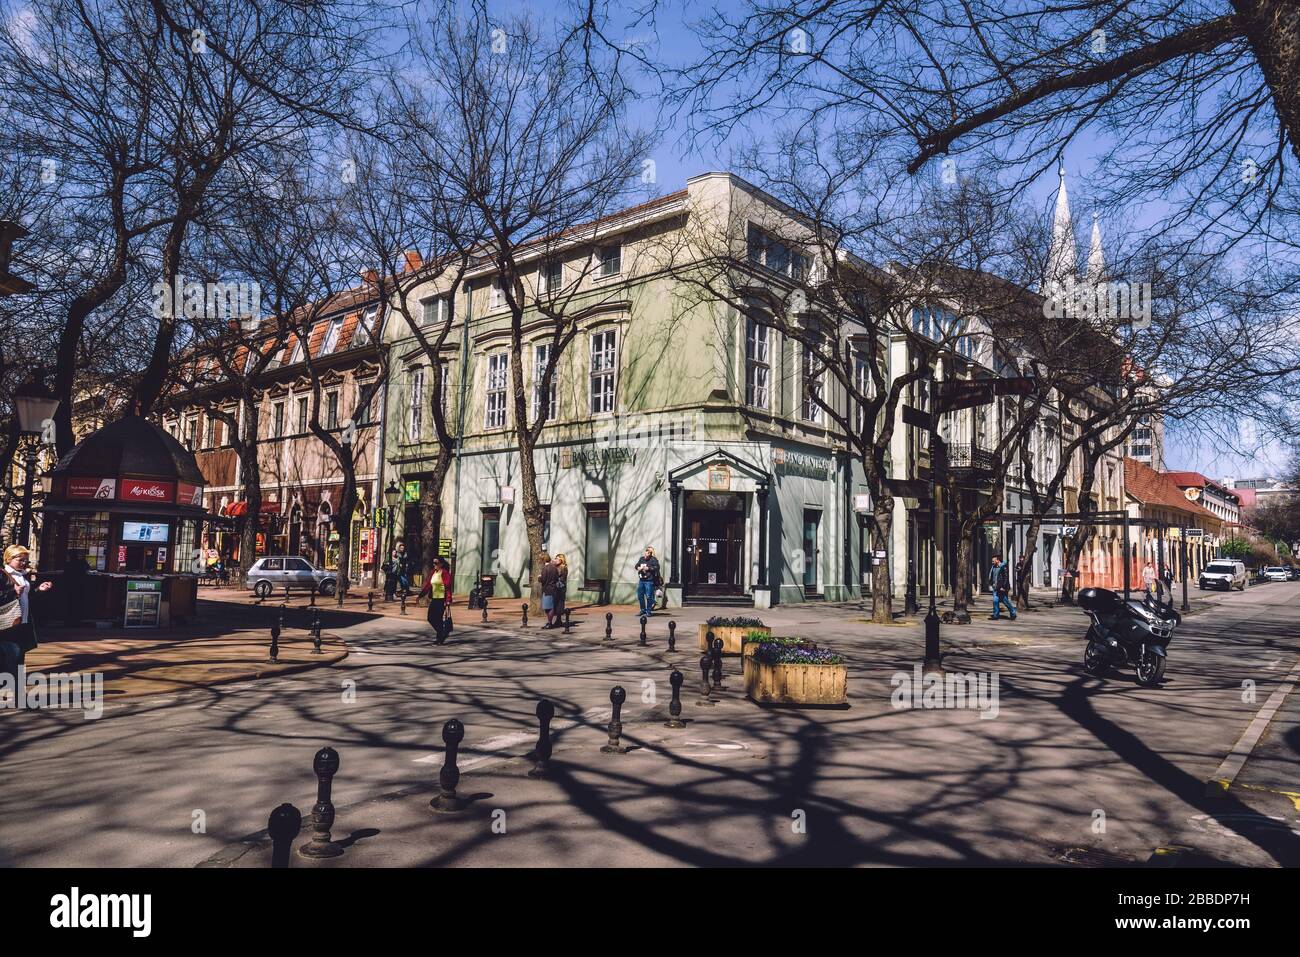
933,658
35,409
392,495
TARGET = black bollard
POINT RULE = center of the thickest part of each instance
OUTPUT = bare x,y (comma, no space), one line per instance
370,601
542,753
708,642
326,766
675,706
567,623
286,593
313,593
717,664
706,692
616,697
275,639
672,636
403,603
447,801
609,626
525,613
315,637
642,641
284,825
484,607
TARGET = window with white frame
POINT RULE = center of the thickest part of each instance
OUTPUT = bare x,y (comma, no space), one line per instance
498,368
864,384
498,295
302,414
541,357
444,371
332,336
210,433
332,409
550,277
435,311
277,420
297,352
766,251
415,404
611,260
361,335
604,365
813,381
758,365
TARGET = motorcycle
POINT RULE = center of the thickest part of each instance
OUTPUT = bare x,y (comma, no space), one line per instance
1134,632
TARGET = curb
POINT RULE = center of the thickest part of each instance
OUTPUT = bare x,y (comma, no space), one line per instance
1217,786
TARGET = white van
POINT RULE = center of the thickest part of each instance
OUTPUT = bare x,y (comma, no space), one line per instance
1225,573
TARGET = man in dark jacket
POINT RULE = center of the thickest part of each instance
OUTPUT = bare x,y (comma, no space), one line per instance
647,571
1000,582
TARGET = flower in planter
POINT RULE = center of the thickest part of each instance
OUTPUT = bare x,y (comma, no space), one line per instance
738,621
763,638
772,653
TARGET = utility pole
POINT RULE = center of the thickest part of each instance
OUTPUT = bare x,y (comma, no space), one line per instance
933,659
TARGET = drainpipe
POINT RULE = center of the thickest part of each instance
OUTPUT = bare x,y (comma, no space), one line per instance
460,423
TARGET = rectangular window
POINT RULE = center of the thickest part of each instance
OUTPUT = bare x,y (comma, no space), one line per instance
497,375
863,383
444,368
331,336
596,553
297,352
611,261
332,410
758,365
812,386
550,278
302,415
498,295
415,409
542,356
775,255
434,311
210,433
604,363
364,413
191,433
277,420
361,335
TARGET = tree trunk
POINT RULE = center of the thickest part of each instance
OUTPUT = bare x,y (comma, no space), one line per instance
431,506
961,583
1031,548
882,597
1272,29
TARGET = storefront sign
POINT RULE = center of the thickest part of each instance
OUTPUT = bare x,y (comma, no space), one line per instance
719,478
91,487
121,556
412,490
145,490
381,517
787,462
366,550
162,556
444,547
592,458
187,494
862,502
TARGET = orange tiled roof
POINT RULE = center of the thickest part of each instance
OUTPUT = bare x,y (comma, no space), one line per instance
1150,487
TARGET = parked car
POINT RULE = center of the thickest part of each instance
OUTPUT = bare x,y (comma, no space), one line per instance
273,572
1224,573
1276,573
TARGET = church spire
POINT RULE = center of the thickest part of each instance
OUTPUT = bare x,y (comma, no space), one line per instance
1096,259
1062,255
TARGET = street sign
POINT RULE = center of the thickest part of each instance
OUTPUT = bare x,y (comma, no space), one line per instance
1195,533
953,394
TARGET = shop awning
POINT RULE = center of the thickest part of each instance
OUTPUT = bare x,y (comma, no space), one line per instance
236,509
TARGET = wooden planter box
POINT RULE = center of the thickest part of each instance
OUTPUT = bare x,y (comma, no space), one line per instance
747,656
731,636
797,684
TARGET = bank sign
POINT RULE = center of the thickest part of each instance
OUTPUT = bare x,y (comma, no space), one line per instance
786,462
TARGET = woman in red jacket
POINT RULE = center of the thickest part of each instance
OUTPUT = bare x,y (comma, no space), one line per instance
438,590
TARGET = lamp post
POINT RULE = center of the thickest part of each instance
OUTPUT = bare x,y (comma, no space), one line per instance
35,408
392,495
932,656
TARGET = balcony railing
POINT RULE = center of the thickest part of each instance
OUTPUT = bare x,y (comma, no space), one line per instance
965,457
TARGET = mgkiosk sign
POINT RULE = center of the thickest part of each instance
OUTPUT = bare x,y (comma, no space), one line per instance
147,490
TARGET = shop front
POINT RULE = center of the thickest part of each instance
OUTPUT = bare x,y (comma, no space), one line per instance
124,519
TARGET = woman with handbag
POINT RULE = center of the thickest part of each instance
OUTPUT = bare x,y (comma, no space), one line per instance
15,610
438,590
546,581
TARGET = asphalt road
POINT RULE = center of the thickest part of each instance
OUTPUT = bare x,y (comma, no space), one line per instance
1071,770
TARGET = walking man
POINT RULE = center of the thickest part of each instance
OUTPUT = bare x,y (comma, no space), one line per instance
1000,582
647,571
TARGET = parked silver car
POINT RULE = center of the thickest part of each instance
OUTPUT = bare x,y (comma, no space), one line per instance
271,573
1276,573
